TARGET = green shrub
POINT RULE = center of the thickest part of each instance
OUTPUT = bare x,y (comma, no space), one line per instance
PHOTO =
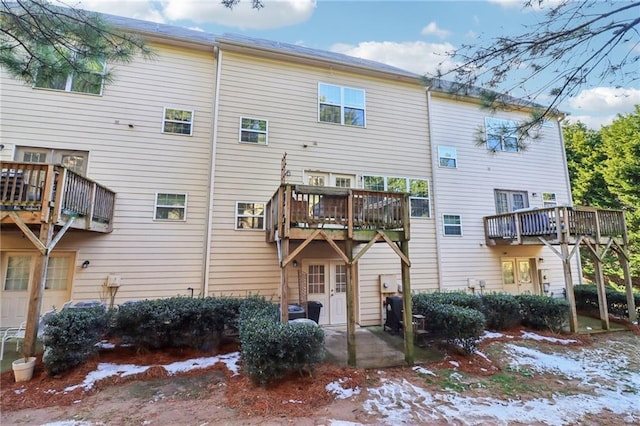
587,300
456,298
175,322
543,312
271,349
457,324
501,311
71,336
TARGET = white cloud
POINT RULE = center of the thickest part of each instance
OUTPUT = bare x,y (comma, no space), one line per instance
601,105
416,56
141,9
606,100
432,29
275,14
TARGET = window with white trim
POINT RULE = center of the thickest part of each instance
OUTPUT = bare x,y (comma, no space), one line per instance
549,199
508,201
89,83
177,121
418,190
452,224
170,206
501,134
249,215
253,130
447,157
341,105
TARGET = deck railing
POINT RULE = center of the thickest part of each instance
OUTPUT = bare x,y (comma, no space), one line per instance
55,191
555,223
304,206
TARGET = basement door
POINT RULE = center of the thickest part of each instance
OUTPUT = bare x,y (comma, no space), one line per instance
517,275
17,272
327,281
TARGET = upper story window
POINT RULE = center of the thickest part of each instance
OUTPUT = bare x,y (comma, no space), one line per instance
90,83
501,135
76,161
418,190
177,121
447,157
452,224
249,215
170,206
341,105
253,130
549,199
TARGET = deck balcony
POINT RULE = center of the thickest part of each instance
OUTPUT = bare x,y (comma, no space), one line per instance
297,211
46,193
555,225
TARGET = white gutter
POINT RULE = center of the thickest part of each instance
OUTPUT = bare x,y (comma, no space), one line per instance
212,171
434,167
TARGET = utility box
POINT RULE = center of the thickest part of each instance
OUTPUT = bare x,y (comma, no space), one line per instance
113,281
388,283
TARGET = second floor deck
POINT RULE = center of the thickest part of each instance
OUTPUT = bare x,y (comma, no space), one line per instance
555,225
297,211
46,193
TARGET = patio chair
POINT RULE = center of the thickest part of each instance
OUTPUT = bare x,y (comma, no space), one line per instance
18,333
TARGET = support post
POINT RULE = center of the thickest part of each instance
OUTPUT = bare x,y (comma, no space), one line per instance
284,282
571,297
602,295
631,303
37,292
406,300
351,304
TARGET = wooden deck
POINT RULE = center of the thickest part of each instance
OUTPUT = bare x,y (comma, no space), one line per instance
297,211
556,225
45,193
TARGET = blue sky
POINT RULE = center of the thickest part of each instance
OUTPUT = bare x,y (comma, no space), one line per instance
413,35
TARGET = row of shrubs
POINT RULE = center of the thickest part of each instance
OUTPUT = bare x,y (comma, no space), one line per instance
270,349
462,317
587,300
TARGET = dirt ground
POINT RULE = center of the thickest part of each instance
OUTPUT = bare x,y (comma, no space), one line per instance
213,396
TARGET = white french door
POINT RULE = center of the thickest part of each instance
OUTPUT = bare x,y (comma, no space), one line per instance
518,276
17,275
327,284
329,179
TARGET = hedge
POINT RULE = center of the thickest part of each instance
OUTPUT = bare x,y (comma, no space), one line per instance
587,299
543,312
501,310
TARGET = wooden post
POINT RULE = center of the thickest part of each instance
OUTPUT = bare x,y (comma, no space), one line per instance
284,281
406,300
631,303
36,292
351,304
571,297
602,295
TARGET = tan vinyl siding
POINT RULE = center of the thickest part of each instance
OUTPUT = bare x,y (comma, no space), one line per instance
468,191
394,142
154,258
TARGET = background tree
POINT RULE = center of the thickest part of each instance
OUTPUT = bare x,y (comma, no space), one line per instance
576,41
37,37
604,168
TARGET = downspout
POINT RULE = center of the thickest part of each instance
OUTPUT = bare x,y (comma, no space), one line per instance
566,177
434,167
212,171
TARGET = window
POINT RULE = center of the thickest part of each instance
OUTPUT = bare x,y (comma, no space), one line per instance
177,121
315,278
249,215
447,157
91,83
76,161
452,224
549,199
501,135
508,201
170,206
341,105
20,267
508,272
418,190
253,130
